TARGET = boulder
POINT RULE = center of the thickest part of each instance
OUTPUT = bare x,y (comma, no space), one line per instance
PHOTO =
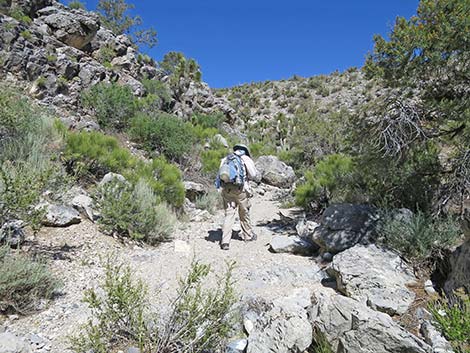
60,215
352,327
12,233
375,277
237,346
109,177
435,339
274,172
9,343
280,326
292,245
345,225
75,28
194,190
84,205
459,275
306,228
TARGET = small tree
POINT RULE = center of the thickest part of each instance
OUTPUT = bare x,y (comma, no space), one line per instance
115,16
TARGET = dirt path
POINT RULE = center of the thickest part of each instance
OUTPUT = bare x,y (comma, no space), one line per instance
75,253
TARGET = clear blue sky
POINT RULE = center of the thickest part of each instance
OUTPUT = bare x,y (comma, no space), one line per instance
243,41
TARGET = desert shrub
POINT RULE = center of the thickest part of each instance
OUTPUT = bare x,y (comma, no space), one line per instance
418,236
114,105
95,154
263,148
453,319
134,211
158,96
20,16
77,5
164,178
208,120
118,313
211,160
23,282
200,318
106,54
330,179
164,132
211,202
320,343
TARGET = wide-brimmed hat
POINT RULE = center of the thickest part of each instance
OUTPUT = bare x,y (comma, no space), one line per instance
242,147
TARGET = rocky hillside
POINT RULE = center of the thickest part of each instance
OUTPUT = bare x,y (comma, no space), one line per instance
56,53
110,228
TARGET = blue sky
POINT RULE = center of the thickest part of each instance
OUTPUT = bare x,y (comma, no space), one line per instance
243,41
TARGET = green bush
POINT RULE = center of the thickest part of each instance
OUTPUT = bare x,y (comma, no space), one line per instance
211,202
211,160
200,319
164,132
134,211
113,104
93,153
23,282
164,178
158,96
208,120
320,343
417,237
453,319
20,16
118,315
106,54
331,178
77,5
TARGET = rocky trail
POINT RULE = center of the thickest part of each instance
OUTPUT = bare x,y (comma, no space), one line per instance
77,254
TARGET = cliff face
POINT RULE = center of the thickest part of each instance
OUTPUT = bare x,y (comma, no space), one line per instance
56,53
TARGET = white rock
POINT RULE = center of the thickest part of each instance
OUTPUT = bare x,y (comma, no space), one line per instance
182,247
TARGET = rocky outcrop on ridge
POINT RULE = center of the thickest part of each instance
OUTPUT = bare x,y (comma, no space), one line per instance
57,53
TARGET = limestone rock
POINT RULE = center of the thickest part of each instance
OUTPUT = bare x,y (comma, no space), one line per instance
345,225
352,327
109,177
237,346
274,172
459,275
72,27
194,190
292,244
281,326
12,233
435,339
375,277
84,204
60,216
9,343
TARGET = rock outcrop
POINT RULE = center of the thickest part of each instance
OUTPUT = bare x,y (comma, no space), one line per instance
345,225
274,172
375,277
352,327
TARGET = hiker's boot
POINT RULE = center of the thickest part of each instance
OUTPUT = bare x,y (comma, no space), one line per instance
224,246
253,237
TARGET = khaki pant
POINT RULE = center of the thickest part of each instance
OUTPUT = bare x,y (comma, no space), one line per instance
233,199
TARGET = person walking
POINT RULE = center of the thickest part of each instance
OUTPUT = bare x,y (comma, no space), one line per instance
233,182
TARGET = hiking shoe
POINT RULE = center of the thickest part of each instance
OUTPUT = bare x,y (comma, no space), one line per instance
224,246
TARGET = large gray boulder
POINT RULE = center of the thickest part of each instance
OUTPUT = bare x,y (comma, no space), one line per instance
60,215
281,326
73,27
375,277
352,327
9,343
12,233
292,245
459,275
274,172
345,225
194,190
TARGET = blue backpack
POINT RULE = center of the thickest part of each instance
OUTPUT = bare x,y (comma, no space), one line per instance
232,170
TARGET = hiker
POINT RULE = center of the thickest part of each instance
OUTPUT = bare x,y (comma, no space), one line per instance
233,182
